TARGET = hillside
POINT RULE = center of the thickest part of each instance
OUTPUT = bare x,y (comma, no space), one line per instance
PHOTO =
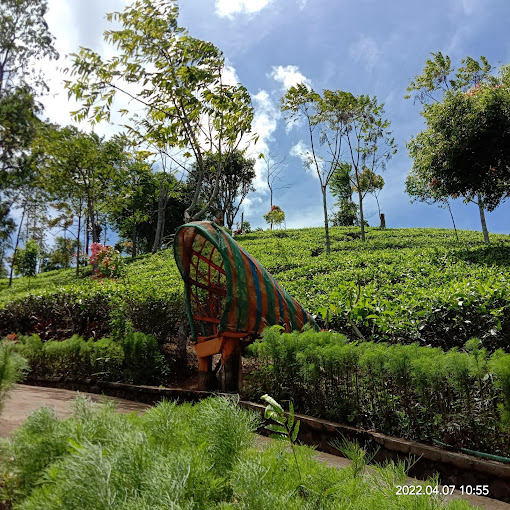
401,285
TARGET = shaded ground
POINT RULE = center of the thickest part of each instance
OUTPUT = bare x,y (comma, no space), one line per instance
23,400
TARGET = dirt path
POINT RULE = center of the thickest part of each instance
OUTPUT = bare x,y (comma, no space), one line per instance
23,400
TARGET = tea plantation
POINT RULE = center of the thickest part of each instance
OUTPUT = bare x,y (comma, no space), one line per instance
402,285
421,320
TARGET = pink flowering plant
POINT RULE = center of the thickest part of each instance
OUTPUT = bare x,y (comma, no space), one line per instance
106,261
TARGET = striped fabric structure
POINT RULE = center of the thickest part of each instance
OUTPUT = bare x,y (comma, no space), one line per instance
226,289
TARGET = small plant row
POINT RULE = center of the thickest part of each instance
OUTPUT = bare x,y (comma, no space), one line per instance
134,358
460,398
200,456
12,366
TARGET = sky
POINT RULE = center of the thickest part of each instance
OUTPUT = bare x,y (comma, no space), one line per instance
364,47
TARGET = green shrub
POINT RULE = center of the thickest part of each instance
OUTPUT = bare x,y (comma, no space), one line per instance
457,397
12,365
181,457
135,358
142,360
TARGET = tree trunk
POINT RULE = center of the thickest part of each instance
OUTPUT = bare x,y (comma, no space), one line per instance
482,219
133,238
87,230
92,217
383,220
362,219
161,218
326,226
453,221
16,245
78,245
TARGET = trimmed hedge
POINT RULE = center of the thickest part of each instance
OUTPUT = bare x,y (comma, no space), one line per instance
461,398
133,359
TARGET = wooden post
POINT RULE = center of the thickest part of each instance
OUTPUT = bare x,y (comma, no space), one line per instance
206,379
231,373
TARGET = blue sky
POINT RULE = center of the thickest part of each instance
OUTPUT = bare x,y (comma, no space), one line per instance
365,47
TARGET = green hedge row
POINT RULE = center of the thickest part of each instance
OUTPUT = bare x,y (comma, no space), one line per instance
149,298
135,358
12,366
461,398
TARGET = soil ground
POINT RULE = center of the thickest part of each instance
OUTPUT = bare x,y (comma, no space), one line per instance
23,400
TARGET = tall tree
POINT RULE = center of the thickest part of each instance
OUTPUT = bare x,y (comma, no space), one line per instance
81,166
341,188
369,145
137,218
188,109
326,127
338,117
465,149
24,38
344,183
274,167
420,189
235,183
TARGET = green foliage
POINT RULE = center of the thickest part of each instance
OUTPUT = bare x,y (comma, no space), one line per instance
464,150
25,260
235,182
149,297
135,358
186,457
284,428
181,90
416,285
12,365
275,216
457,397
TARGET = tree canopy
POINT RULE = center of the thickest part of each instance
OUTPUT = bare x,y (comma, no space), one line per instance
188,109
465,150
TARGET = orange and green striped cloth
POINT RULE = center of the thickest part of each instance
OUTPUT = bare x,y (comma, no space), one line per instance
227,286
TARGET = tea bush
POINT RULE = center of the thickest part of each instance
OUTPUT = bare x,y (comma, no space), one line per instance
180,457
148,298
461,398
134,358
414,285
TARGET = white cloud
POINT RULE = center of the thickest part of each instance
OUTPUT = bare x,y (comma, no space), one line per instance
302,4
468,7
301,151
228,8
366,50
264,124
229,75
289,76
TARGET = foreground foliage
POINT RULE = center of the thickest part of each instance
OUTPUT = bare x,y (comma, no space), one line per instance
186,457
422,393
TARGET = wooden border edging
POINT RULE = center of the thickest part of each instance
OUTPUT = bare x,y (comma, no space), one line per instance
453,468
